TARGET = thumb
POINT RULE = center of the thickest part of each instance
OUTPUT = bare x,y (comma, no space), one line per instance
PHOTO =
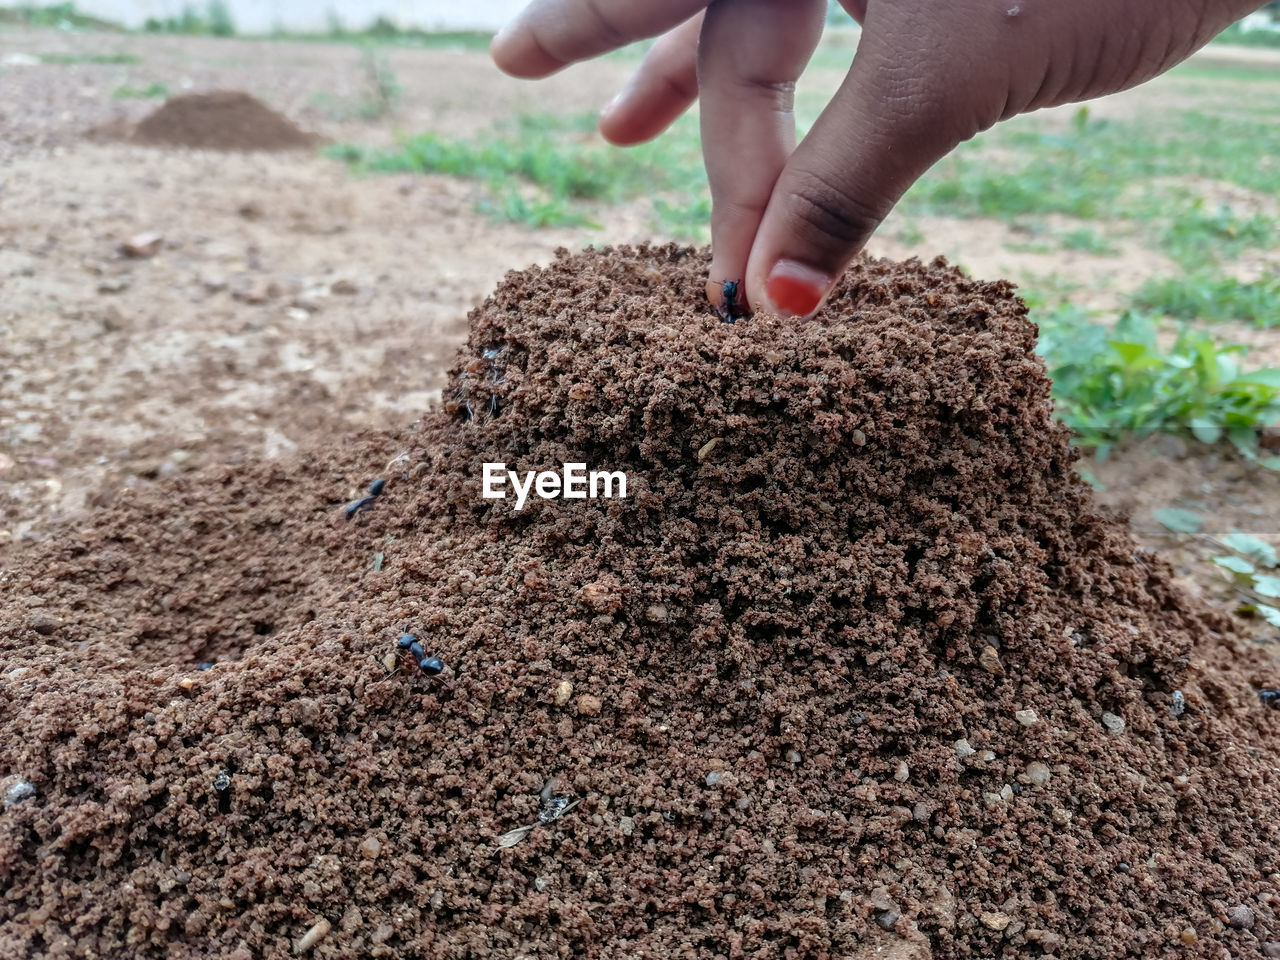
883,129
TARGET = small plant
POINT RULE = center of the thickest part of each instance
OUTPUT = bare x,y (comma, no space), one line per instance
383,85
1208,296
1252,566
1111,384
150,91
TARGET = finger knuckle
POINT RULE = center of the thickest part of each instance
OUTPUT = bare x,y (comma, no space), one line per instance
831,212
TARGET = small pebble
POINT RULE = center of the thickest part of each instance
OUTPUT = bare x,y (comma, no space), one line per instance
794,756
1006,793
1271,949
989,660
713,778
656,613
1179,705
1113,723
886,919
17,792
1038,773
371,847
1240,917
995,920
589,706
903,773
1027,718
963,749
1188,936
564,690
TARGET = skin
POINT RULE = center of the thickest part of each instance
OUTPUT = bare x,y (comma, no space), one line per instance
927,75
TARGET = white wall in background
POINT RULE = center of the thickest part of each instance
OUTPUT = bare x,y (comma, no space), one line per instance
263,16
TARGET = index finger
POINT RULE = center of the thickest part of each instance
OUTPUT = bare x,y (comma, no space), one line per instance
550,34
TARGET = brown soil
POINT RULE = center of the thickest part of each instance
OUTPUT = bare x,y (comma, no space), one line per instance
221,120
774,646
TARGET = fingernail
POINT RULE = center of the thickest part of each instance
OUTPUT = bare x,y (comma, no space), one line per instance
794,289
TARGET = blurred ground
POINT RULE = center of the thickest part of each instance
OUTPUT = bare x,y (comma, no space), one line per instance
291,302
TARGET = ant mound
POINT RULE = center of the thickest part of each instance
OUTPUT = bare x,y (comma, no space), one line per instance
222,120
853,670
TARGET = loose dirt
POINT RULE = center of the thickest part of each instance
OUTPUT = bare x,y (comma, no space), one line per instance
855,670
221,120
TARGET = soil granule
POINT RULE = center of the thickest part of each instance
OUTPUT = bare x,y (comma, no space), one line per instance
855,670
221,120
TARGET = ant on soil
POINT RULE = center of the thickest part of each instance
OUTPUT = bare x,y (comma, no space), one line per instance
554,806
730,309
364,503
408,642
1270,698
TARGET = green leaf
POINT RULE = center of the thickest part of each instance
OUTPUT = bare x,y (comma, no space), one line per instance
1269,614
1205,430
1234,564
1266,377
1178,520
1252,547
1271,463
1267,586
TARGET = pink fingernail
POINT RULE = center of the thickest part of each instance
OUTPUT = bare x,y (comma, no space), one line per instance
794,289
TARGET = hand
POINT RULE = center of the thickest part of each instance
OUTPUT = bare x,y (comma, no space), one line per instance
927,75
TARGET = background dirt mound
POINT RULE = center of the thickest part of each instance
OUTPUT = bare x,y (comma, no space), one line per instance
853,669
222,120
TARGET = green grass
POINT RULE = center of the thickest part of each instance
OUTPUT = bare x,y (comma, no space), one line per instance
1196,236
1251,38
63,16
103,58
1113,383
1204,295
1097,169
1088,240
546,170
382,30
151,90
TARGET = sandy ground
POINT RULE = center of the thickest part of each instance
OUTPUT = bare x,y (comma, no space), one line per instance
292,303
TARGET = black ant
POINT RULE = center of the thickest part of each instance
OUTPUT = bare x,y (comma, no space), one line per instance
730,309
1270,698
431,666
364,503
